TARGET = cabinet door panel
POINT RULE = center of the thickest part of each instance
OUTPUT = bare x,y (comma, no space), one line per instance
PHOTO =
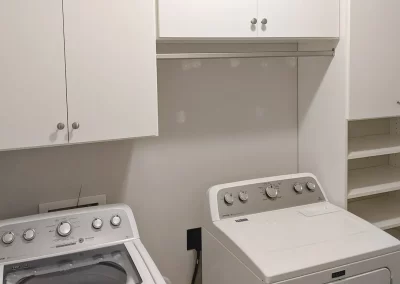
374,64
32,74
111,69
207,18
299,18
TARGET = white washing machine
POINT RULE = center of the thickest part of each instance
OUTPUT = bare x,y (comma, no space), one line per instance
92,245
284,230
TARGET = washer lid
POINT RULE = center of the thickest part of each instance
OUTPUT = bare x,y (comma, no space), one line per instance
288,243
110,265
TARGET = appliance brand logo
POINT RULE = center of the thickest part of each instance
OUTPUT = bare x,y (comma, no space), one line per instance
339,274
18,267
241,220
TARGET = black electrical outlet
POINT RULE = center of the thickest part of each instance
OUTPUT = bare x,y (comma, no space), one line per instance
194,239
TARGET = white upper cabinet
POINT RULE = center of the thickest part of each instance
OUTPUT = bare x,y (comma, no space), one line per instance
76,71
110,49
298,18
180,19
32,74
207,18
374,64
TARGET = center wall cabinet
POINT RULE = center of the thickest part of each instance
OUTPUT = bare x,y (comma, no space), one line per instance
98,82
248,19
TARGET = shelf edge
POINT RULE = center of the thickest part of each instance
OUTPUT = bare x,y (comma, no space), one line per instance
390,188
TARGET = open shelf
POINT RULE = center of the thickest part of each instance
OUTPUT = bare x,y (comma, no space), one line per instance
383,211
374,145
374,180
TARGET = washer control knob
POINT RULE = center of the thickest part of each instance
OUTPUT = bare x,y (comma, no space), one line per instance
311,186
8,238
97,223
115,220
298,188
64,229
29,235
272,193
228,197
243,196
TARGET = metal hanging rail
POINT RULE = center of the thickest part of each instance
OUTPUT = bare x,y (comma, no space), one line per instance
327,53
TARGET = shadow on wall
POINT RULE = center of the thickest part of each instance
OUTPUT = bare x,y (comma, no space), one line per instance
44,175
220,121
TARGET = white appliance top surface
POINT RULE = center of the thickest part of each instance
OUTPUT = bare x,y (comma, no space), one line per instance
296,241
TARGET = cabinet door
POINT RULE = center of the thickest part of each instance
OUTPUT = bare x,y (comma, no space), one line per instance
299,18
207,18
374,64
111,69
32,74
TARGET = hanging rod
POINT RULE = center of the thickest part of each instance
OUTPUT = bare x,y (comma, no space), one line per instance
246,54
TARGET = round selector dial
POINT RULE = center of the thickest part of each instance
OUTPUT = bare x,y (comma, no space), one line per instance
64,229
298,188
228,198
243,196
311,186
8,238
272,193
97,223
115,220
29,235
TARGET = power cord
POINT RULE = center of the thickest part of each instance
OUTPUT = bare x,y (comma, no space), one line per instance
196,267
79,197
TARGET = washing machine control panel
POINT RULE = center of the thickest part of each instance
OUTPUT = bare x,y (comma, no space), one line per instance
267,196
64,233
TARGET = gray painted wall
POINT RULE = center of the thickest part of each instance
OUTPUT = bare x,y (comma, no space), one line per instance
220,121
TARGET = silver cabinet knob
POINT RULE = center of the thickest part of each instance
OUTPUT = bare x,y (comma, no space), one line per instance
75,125
60,126
253,21
264,21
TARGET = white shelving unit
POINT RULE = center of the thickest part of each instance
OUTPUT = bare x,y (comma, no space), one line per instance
383,211
374,171
374,145
373,180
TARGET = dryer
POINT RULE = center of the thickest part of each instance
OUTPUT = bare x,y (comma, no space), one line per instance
90,245
284,230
